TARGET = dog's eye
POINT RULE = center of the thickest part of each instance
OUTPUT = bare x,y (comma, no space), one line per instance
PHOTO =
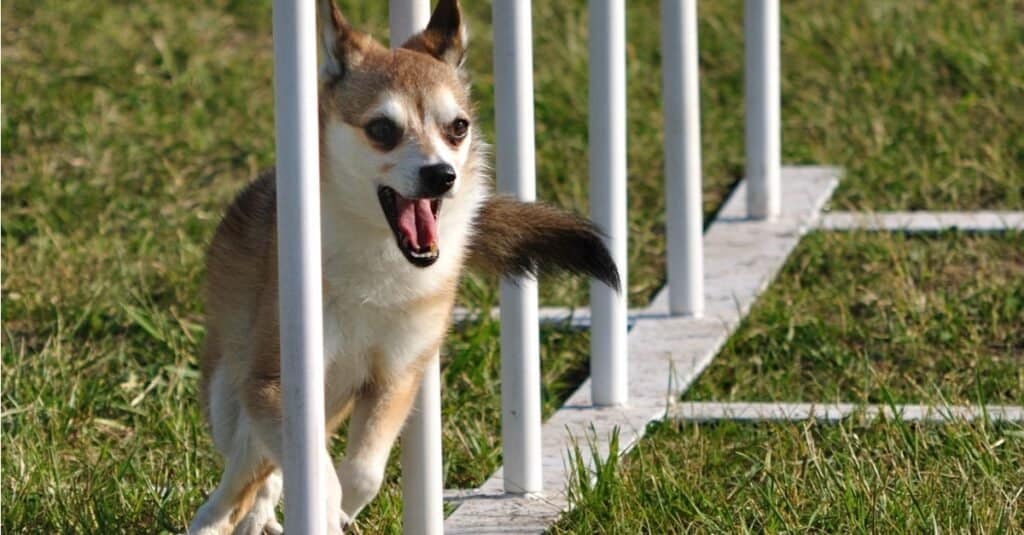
384,132
457,130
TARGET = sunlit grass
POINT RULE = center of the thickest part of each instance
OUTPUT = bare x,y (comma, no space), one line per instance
853,477
869,317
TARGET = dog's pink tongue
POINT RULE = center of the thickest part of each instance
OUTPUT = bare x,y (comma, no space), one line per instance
416,222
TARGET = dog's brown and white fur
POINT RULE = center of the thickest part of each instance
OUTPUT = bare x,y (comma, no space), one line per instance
405,203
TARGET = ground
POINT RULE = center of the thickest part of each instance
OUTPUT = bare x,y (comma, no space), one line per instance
126,129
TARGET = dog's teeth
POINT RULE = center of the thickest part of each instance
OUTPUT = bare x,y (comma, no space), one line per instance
432,252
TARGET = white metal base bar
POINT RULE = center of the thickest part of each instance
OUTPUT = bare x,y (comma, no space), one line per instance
923,221
834,412
573,317
822,412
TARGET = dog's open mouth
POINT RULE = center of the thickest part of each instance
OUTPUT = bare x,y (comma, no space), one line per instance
414,222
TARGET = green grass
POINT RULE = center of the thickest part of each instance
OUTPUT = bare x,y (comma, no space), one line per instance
127,127
881,477
853,317
873,317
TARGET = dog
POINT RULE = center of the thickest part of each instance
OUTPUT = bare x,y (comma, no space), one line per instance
406,205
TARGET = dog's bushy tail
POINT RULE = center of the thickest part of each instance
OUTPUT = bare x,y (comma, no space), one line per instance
519,238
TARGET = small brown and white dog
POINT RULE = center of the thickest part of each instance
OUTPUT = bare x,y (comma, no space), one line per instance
405,203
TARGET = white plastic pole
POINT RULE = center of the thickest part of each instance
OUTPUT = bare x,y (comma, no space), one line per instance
761,87
520,334
301,309
406,18
608,329
684,215
422,478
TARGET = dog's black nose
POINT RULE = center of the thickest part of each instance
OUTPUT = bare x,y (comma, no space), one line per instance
436,179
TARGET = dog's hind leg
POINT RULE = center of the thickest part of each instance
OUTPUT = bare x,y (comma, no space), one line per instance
266,428
244,472
262,517
245,458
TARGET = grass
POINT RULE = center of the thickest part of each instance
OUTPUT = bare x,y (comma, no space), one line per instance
882,477
853,317
127,128
874,317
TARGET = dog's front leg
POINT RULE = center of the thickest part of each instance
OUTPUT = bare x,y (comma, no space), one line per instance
337,520
379,413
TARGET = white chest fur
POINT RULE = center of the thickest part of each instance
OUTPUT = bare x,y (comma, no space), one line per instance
365,342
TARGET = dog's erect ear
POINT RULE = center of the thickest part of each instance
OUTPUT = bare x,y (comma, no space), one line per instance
445,35
343,47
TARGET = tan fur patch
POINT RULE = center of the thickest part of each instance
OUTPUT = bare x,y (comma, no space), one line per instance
392,411
239,264
246,497
413,74
390,400
335,420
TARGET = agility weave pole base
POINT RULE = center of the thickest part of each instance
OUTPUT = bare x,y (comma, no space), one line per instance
666,354
835,412
923,221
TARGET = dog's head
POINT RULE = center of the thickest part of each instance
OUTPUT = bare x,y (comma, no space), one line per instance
397,126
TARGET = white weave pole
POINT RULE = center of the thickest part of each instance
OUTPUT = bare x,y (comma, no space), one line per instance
406,18
298,248
422,471
763,124
607,130
684,215
422,477
520,328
